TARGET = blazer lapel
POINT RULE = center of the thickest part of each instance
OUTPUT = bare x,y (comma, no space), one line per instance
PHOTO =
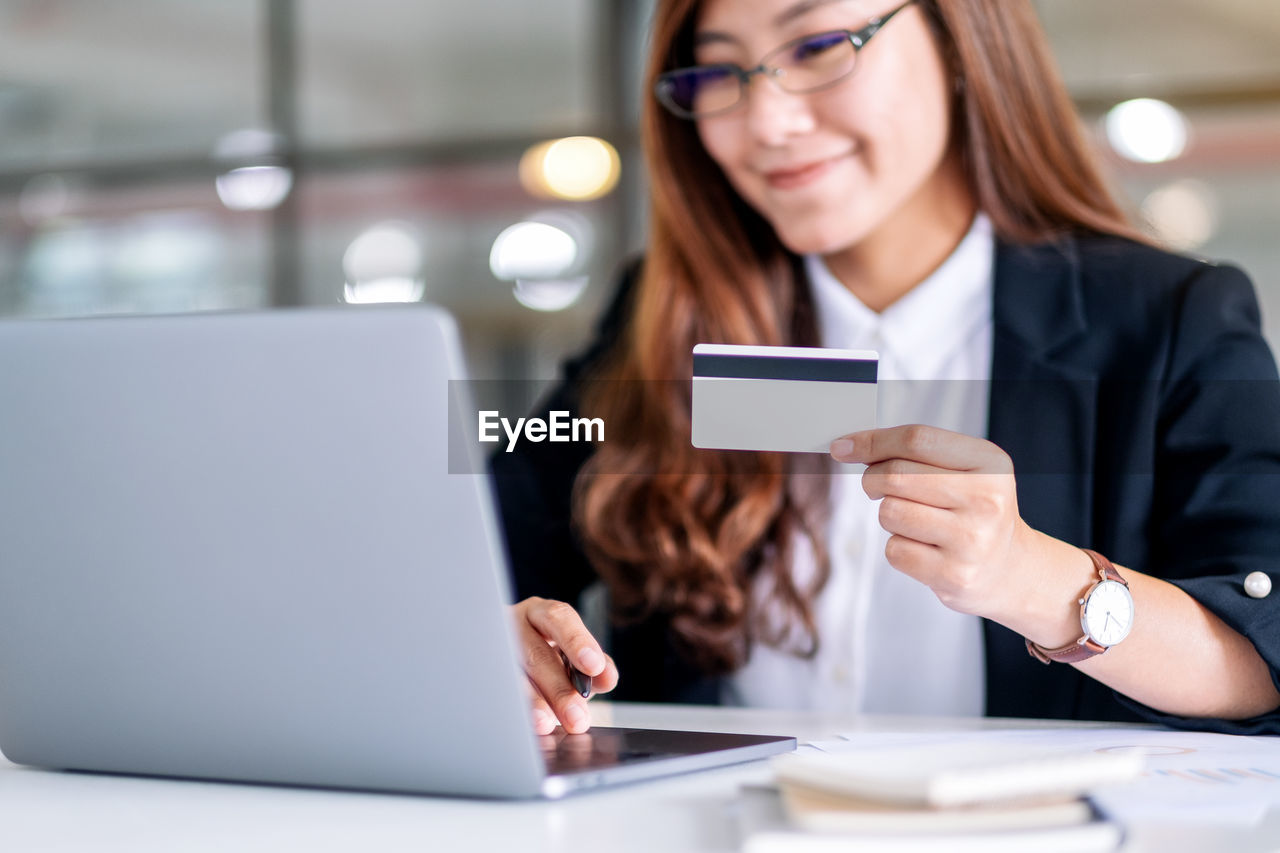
1042,407
1042,412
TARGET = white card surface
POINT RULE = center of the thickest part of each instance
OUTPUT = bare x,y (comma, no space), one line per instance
790,399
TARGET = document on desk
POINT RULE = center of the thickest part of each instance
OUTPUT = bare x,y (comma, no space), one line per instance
1190,776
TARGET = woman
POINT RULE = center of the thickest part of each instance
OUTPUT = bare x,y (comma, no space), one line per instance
908,178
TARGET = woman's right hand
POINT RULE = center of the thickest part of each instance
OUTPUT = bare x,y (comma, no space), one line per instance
544,629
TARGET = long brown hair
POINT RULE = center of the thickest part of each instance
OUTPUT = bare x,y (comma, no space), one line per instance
688,532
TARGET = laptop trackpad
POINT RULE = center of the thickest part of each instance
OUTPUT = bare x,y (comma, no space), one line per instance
604,747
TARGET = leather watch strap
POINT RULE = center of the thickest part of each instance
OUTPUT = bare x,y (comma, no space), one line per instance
1081,649
1085,647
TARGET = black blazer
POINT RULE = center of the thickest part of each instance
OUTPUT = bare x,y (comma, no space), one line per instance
1141,407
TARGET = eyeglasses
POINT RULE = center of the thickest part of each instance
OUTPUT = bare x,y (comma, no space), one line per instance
807,64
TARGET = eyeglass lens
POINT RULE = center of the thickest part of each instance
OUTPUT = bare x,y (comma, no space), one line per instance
804,65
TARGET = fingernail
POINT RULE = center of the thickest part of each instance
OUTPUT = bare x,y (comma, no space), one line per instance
576,716
591,661
841,448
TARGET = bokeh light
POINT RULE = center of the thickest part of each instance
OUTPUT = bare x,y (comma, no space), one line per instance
384,264
550,295
1146,130
254,178
576,168
1183,214
254,187
533,250
544,257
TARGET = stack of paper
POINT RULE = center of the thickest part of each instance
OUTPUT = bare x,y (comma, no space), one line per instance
953,797
1190,777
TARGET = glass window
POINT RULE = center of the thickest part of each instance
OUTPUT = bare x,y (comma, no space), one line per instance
86,82
72,250
384,71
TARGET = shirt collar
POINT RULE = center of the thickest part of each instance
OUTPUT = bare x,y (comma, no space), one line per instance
929,323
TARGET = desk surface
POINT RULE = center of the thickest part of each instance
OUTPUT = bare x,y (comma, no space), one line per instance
55,811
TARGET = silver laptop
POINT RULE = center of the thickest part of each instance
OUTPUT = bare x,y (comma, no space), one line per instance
231,548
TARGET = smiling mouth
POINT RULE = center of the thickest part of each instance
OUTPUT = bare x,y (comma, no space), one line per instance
788,179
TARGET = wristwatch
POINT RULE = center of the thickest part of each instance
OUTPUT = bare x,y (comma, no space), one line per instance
1106,615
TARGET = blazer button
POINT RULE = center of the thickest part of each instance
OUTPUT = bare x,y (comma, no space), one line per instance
1258,584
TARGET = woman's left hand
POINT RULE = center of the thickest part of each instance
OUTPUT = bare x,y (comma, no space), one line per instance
950,504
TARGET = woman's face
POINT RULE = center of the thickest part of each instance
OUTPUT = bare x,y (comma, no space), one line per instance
829,168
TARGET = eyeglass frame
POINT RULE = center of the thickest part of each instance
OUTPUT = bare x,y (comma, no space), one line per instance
858,38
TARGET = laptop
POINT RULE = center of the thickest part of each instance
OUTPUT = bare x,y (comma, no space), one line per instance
231,548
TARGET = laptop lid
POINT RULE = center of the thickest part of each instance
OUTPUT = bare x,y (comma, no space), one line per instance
226,539
231,547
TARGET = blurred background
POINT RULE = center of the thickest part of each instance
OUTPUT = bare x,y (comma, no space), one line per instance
193,155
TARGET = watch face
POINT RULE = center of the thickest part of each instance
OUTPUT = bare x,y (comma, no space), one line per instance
1108,613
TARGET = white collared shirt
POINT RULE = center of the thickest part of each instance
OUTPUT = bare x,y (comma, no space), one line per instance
887,645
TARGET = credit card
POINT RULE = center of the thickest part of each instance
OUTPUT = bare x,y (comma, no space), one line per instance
791,399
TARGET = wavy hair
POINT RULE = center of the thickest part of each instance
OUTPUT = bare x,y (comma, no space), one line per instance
699,535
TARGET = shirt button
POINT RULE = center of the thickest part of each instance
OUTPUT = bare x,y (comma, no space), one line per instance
853,549
1258,584
840,673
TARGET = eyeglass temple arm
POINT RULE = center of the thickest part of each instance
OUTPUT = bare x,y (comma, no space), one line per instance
873,26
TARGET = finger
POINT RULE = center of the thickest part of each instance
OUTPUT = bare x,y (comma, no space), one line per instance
931,566
580,682
588,686
919,522
607,680
957,535
545,669
913,558
930,445
561,624
544,719
916,481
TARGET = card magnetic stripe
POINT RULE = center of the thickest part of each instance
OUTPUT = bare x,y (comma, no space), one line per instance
784,367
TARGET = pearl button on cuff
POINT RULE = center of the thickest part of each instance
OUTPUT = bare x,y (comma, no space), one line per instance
1257,584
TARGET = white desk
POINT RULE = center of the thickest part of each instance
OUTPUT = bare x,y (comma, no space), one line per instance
52,811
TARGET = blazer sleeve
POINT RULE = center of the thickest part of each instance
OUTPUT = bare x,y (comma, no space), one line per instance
533,484
1217,472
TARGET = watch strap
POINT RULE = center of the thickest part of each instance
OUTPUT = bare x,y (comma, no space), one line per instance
1078,650
1106,569
1085,647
